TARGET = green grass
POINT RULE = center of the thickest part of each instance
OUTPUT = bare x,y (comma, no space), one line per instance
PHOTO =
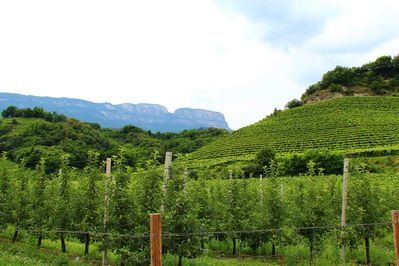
25,251
7,258
216,261
217,253
289,255
26,254
346,124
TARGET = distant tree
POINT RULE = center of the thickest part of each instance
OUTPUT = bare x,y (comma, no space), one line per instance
9,112
294,103
380,86
275,112
310,90
324,161
263,158
36,112
340,75
384,67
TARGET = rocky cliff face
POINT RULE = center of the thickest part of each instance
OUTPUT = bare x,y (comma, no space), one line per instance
147,116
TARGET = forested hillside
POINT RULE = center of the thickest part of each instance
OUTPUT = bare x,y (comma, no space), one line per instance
26,135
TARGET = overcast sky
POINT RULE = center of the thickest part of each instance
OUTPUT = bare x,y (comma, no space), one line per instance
239,57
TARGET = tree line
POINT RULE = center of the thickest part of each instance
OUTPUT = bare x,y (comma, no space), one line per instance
35,112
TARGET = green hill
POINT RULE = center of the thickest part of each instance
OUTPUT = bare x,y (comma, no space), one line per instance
347,124
36,134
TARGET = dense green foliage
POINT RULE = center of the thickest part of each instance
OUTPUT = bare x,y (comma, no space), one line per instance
294,103
380,77
302,211
36,112
345,125
29,139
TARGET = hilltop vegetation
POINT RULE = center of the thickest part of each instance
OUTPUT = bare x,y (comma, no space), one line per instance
27,135
380,77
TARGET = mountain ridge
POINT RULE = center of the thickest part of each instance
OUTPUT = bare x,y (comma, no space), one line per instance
152,117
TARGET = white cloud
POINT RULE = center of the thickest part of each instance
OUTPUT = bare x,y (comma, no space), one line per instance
180,53
360,28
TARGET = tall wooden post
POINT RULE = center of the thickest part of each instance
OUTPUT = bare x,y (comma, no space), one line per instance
156,239
166,176
395,227
185,178
261,190
106,210
344,207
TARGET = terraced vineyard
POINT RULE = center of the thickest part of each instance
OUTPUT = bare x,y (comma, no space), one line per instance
345,124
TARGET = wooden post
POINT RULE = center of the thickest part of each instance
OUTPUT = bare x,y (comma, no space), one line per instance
106,209
166,176
261,190
344,207
185,178
156,239
395,227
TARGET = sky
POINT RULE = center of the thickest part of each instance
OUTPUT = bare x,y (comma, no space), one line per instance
243,58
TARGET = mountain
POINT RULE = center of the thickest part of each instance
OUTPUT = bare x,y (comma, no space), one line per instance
147,116
350,125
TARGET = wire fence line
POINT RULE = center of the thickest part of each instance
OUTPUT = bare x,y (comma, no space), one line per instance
296,252
199,233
